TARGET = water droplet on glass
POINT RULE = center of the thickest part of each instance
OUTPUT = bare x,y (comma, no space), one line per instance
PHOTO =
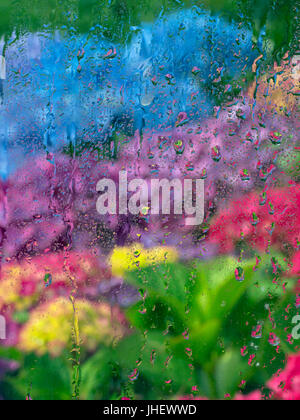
275,137
179,147
239,274
134,376
216,153
255,219
244,174
48,280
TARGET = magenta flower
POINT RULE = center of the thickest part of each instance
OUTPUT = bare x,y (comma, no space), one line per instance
261,220
286,384
50,204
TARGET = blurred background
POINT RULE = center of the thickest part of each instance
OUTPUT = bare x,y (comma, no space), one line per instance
143,306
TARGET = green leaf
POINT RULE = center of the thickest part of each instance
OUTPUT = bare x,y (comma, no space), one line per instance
10,353
230,370
157,313
97,381
164,305
44,378
159,370
166,280
218,291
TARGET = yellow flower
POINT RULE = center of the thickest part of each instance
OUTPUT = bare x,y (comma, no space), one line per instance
50,327
10,286
281,90
130,258
22,284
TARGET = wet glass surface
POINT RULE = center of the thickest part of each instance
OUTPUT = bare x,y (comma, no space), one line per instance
149,200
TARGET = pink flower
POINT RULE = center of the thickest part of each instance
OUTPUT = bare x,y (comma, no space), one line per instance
191,397
41,280
296,265
50,204
286,384
254,396
24,284
260,220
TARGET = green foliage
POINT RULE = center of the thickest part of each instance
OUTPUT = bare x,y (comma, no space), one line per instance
200,318
289,161
222,326
114,19
40,378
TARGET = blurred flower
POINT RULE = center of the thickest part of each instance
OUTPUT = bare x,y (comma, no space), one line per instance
261,221
7,366
191,397
51,203
254,396
130,258
49,328
278,89
286,385
26,283
33,281
296,265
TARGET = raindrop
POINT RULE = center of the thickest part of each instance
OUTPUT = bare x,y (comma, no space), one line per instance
203,174
179,147
111,53
263,199
195,71
257,332
244,174
134,376
274,340
216,153
239,274
275,137
48,280
255,219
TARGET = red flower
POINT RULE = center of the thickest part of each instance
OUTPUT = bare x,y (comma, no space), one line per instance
295,271
269,219
286,385
254,396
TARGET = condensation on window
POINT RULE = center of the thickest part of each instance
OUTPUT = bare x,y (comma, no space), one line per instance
149,200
